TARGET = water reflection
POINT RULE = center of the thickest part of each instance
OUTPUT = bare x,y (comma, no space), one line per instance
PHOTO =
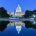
3,25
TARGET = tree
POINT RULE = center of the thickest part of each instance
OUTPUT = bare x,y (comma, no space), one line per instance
3,13
28,14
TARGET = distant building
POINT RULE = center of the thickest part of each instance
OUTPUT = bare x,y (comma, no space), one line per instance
19,11
11,13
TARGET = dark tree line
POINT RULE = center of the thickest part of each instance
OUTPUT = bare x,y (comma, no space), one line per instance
28,14
3,13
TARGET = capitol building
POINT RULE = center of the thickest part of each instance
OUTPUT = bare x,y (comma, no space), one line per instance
18,12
